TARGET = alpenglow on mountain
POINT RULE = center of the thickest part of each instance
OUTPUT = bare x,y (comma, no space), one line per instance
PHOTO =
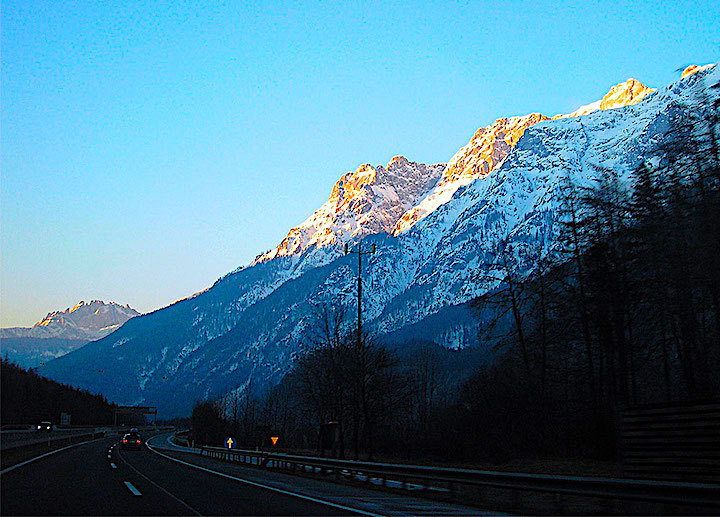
61,332
437,229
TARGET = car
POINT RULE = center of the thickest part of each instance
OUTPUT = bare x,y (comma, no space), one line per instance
44,426
131,441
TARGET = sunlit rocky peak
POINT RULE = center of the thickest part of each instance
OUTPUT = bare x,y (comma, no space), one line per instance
625,94
490,145
83,321
93,316
486,150
693,69
394,198
365,201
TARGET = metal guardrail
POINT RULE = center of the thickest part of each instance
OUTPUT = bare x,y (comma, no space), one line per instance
15,453
679,493
44,437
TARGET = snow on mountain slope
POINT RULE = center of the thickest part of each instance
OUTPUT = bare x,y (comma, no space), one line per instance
83,321
486,150
363,202
61,332
624,94
693,69
490,145
253,322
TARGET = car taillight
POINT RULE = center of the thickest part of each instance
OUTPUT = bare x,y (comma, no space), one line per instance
138,441
124,441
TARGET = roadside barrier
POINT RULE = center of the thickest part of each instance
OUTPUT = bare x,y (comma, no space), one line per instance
665,492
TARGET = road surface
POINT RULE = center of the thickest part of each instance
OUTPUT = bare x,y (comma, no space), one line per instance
97,478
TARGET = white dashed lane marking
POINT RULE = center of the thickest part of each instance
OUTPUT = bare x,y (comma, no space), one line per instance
132,489
113,465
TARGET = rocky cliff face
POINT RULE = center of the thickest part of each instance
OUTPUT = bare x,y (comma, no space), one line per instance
366,201
484,153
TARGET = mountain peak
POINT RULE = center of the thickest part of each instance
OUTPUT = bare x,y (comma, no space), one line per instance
362,202
92,316
82,321
398,161
628,93
385,199
484,153
693,69
623,94
488,147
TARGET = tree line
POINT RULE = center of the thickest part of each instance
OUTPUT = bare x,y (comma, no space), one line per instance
28,398
624,311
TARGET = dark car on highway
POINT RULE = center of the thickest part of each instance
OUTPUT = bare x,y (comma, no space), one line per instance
131,441
44,426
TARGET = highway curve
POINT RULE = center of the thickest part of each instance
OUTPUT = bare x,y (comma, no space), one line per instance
97,478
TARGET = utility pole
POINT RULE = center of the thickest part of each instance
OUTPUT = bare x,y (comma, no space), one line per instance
360,388
360,253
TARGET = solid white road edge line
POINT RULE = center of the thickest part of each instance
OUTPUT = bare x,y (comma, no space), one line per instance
46,455
132,489
268,487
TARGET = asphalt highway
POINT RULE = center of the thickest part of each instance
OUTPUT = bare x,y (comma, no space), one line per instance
99,478
82,481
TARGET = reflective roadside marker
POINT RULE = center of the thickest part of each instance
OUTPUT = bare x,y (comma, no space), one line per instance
230,443
274,439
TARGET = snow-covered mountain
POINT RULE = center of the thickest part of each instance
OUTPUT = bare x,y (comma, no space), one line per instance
88,321
366,201
437,229
61,332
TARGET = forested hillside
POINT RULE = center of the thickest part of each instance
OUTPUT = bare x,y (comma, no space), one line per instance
28,398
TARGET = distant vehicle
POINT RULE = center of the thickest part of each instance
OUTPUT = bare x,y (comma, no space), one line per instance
131,441
44,426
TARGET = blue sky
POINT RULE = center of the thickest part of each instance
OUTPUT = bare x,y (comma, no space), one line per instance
150,147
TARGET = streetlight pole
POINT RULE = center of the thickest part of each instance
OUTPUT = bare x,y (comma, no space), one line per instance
360,253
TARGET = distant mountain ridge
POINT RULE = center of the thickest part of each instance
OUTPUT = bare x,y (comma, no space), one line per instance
61,332
437,229
89,321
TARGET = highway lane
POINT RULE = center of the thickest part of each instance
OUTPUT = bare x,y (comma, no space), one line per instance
98,478
79,481
82,481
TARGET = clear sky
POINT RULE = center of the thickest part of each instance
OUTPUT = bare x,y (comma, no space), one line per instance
148,148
